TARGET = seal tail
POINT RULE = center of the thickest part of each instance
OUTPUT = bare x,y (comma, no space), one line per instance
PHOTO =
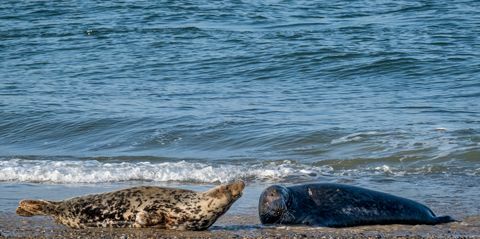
444,219
29,208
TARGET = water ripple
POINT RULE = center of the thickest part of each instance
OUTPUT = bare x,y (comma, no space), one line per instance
222,81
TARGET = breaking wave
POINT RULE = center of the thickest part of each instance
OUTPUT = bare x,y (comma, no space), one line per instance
93,171
97,171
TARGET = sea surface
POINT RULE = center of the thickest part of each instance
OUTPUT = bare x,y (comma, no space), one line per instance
99,95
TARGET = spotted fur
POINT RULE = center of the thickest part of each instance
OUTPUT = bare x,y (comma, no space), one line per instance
144,206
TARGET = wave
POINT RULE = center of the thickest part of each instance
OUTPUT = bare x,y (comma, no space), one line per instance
355,137
94,171
99,171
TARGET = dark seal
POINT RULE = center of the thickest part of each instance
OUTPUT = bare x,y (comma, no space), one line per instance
145,206
337,205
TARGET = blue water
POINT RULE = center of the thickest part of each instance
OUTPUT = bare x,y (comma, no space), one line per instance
373,93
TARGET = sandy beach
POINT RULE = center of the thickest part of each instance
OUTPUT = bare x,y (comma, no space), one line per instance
236,226
241,221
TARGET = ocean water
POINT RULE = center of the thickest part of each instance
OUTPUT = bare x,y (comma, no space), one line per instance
381,94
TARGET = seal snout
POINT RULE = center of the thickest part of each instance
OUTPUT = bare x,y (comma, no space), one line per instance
236,188
231,191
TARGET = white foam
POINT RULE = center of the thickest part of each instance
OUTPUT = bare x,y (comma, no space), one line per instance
353,137
93,171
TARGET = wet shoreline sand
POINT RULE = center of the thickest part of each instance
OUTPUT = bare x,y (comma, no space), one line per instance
236,226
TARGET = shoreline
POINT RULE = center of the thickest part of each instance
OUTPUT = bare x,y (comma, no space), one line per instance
236,226
241,221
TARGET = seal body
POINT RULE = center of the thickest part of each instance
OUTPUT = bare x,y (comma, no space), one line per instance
337,205
144,206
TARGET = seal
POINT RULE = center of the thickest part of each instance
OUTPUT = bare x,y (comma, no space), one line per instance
144,206
337,205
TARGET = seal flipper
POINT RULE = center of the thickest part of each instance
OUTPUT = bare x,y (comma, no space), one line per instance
444,219
29,208
148,219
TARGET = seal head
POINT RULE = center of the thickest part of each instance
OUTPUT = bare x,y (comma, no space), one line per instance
218,200
274,203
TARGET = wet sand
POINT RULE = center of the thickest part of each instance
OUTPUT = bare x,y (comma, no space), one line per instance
236,226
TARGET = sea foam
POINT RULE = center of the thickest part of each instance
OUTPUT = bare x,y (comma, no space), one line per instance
283,171
94,171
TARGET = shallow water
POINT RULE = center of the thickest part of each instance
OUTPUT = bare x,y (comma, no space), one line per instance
376,94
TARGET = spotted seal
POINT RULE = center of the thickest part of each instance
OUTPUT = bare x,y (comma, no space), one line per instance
337,205
144,206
